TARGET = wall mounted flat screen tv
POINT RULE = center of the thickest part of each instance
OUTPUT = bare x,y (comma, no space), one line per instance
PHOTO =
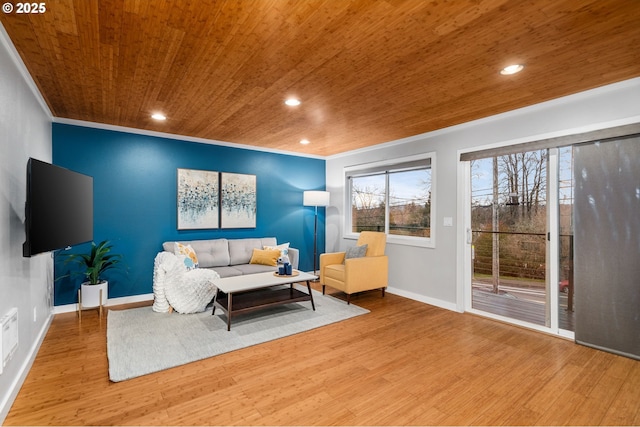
59,208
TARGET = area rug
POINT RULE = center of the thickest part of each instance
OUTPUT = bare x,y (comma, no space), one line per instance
141,341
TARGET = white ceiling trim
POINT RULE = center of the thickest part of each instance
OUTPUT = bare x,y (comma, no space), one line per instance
157,134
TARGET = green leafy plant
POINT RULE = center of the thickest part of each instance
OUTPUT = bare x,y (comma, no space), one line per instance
96,262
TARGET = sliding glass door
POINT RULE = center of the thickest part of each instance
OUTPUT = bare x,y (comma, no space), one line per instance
520,235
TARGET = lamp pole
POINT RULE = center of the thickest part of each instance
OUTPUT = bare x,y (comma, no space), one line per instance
315,241
315,199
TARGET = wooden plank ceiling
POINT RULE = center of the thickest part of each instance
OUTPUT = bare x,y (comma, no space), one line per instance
367,72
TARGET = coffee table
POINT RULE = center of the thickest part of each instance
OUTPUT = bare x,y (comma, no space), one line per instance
241,294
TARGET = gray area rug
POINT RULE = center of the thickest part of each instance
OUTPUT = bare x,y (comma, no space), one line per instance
141,341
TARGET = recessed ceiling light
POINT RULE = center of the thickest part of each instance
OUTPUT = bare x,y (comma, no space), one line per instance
304,141
512,69
158,116
292,102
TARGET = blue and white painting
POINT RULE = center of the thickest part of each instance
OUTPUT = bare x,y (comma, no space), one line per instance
239,200
198,199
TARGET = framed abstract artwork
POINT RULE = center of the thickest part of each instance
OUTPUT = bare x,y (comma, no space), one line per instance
198,199
238,200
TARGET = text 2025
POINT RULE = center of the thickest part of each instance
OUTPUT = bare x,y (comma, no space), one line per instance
31,7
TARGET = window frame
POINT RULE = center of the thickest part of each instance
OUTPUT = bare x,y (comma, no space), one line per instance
392,165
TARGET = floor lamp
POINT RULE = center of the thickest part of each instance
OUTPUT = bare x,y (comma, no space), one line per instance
315,199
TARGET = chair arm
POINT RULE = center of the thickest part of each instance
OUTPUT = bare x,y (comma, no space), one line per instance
330,259
363,274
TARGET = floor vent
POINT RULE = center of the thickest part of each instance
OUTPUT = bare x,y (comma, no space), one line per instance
9,332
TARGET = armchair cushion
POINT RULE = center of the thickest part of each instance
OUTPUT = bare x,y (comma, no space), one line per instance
335,272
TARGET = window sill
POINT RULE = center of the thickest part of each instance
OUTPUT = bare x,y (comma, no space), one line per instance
400,240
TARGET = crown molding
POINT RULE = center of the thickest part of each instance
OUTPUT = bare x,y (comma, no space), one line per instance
185,138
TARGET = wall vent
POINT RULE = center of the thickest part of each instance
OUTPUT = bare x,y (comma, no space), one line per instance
9,332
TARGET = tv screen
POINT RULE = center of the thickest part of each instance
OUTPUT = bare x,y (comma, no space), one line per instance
59,208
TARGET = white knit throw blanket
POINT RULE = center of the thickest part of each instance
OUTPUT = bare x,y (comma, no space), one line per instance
187,291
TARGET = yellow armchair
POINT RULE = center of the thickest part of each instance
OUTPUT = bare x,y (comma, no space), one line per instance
357,274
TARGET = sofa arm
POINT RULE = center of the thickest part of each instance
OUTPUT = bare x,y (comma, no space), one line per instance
294,257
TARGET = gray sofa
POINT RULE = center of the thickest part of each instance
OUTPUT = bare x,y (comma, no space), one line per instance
230,257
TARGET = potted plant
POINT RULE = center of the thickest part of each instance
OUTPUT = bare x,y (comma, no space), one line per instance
94,291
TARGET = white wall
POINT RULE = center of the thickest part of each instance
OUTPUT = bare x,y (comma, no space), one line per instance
430,274
25,283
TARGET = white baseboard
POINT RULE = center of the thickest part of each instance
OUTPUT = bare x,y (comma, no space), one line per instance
421,298
69,308
16,384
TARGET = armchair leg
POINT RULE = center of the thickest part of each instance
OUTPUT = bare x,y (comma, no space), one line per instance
323,287
348,299
383,289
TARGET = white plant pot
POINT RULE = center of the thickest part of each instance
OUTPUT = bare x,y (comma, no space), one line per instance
90,294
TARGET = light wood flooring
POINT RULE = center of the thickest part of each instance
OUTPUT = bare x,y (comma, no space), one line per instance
405,363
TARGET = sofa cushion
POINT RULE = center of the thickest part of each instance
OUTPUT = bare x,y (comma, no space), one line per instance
212,253
268,241
265,257
241,250
335,271
227,271
255,268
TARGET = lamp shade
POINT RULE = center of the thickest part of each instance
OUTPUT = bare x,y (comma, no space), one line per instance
315,198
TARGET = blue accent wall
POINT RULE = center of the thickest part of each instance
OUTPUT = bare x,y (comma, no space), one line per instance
135,185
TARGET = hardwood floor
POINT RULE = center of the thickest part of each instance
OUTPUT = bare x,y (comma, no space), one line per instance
405,363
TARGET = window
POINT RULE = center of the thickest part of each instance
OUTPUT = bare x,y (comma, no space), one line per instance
394,197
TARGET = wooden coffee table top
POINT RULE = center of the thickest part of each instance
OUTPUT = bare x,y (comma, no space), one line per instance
248,282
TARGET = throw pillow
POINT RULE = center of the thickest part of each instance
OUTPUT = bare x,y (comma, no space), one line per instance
283,248
188,262
284,252
265,257
187,250
356,252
